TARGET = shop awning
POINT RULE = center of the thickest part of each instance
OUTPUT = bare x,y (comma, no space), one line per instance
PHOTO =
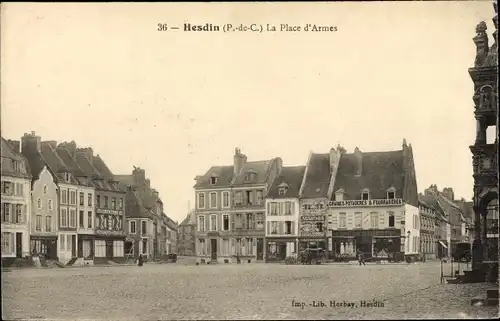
444,245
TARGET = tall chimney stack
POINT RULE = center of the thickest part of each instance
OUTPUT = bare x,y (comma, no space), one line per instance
239,161
359,161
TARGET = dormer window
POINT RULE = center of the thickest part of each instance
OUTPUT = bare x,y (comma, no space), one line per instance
67,177
391,193
213,180
282,188
365,194
339,195
250,176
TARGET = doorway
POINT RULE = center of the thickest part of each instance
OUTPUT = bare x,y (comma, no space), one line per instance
19,245
260,249
109,249
213,248
73,245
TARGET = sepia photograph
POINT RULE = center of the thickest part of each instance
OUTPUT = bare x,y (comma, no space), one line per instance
310,160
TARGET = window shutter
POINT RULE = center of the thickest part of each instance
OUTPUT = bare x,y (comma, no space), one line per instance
268,228
268,208
25,214
207,223
281,227
292,230
293,207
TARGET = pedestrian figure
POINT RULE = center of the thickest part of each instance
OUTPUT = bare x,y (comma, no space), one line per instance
140,260
361,258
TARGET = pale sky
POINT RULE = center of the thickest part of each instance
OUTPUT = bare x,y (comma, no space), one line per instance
176,103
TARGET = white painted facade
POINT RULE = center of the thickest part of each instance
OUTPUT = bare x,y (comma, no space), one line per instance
68,219
412,229
282,222
16,218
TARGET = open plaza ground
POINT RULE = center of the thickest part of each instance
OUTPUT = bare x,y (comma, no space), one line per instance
247,291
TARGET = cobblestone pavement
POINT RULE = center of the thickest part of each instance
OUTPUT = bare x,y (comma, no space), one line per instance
259,291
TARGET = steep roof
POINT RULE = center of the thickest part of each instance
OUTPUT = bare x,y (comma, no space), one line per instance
57,165
190,219
290,175
135,206
317,176
9,153
86,166
260,168
100,165
380,171
69,161
224,176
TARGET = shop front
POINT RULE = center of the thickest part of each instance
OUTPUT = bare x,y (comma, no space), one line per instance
278,249
45,246
374,244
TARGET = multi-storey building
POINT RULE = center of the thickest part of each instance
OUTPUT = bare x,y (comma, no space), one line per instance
315,191
186,237
282,214
171,236
16,202
230,209
485,151
428,239
149,228
374,207
45,199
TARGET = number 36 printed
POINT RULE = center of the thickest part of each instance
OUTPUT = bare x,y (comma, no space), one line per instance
162,27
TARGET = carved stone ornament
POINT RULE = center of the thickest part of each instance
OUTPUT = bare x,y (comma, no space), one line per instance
481,41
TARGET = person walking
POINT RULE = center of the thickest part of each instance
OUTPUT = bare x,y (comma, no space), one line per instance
140,260
361,258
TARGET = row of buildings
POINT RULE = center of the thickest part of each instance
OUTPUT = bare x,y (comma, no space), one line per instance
340,202
64,203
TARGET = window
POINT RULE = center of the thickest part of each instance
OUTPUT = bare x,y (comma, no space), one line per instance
38,223
72,217
250,176
391,219
39,203
374,220
67,177
249,195
201,223
72,198
7,188
288,227
100,248
82,199
202,247
81,219
282,191
260,221
259,197
64,196
288,208
6,212
319,226
48,223
16,165
225,199
89,219
274,227
120,204
21,189
213,222
358,220
106,202
213,180
342,220
213,199
19,213
238,198
64,217
274,208
391,195
50,205
98,201
113,203
45,189
201,200
225,222
382,219
365,195
89,199
118,250
132,228
249,246
7,242
144,227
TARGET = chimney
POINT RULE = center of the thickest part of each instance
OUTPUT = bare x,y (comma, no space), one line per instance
88,153
51,143
148,182
448,193
155,193
359,161
432,190
70,147
31,143
239,161
15,144
334,159
139,176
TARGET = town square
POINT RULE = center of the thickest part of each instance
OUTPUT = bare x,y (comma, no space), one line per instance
341,166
